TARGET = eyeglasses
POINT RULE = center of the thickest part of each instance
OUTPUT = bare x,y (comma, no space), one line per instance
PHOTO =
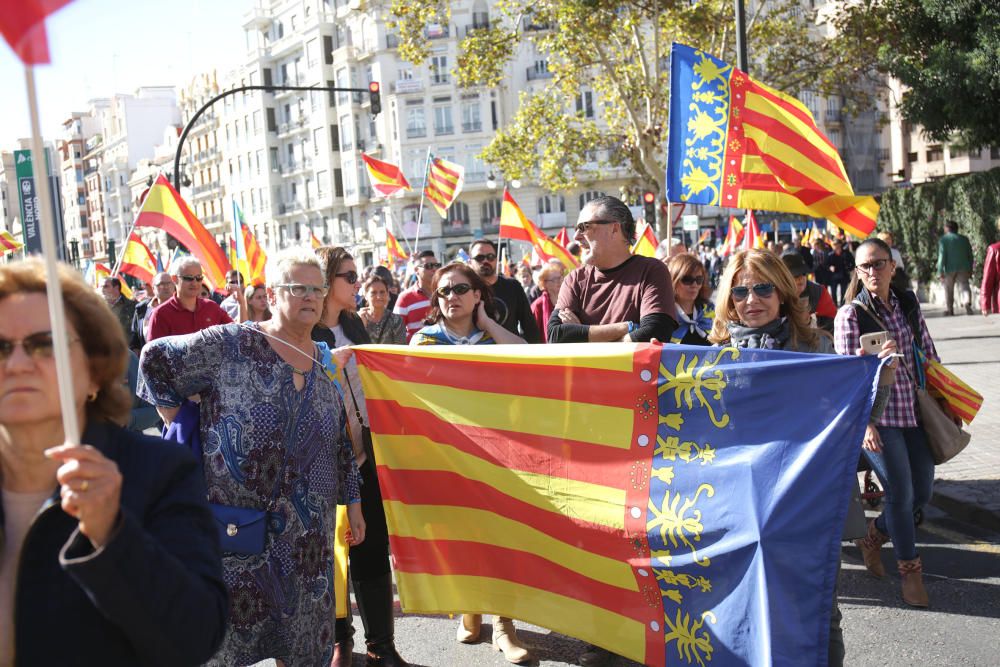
459,289
489,257
350,276
694,280
37,346
584,226
431,266
192,279
873,266
300,291
741,292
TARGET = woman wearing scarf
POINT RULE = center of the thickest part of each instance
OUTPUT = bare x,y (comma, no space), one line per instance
695,311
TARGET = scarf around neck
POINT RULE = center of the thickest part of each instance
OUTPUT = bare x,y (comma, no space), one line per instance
773,336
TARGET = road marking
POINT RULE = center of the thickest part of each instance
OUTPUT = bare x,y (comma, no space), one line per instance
964,540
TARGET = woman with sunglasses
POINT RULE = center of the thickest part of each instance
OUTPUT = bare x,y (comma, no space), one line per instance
695,311
895,445
274,451
368,564
460,315
461,311
108,551
759,308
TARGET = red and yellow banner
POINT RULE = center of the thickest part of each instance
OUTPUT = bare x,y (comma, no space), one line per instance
164,209
646,242
394,251
444,183
8,243
514,225
137,260
386,179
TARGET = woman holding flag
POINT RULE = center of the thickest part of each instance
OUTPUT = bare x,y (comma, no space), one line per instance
108,552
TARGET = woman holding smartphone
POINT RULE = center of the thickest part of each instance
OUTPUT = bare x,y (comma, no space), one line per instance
895,445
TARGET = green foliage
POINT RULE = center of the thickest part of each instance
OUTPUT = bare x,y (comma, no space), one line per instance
947,55
620,50
916,218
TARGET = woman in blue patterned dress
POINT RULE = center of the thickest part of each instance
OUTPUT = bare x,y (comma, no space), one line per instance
272,433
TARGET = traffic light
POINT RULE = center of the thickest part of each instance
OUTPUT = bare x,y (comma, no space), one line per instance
649,207
375,98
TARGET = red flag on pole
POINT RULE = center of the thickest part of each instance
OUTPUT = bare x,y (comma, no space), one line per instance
22,23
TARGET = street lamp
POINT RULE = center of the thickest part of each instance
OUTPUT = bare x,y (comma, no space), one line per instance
491,182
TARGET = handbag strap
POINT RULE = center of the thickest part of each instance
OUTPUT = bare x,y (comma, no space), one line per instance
919,358
357,410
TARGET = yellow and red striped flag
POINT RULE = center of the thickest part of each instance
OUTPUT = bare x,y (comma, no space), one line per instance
704,236
164,209
394,251
101,272
752,238
8,243
514,225
775,157
313,240
137,260
256,257
444,183
386,179
646,242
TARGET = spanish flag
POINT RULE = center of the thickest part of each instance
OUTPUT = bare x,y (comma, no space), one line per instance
752,238
734,236
444,183
137,260
646,243
514,226
387,179
315,242
164,209
101,272
8,243
394,251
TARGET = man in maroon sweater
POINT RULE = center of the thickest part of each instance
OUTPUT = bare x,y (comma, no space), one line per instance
186,312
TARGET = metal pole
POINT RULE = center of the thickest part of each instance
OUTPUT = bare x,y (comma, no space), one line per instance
233,91
742,61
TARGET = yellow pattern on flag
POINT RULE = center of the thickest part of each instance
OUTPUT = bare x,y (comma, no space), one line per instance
444,184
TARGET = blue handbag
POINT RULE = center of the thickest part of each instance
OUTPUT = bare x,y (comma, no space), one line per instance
242,530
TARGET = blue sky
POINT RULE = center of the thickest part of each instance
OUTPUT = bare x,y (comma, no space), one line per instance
102,47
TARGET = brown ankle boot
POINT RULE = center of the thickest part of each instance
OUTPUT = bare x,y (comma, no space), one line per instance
871,550
912,574
505,639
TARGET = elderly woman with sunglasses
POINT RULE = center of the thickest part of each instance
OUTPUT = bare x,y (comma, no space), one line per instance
460,315
895,445
695,310
274,447
108,552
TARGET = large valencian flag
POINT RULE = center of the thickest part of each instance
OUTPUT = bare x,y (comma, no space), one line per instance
738,143
676,505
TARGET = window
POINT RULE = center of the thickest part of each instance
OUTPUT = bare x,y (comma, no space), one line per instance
328,49
272,123
257,121
338,183
585,104
317,138
470,117
442,121
458,217
491,214
416,124
552,204
260,162
587,196
335,137
439,70
935,153
346,142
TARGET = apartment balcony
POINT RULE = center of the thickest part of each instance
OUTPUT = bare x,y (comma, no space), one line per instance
474,26
443,130
455,227
474,177
346,52
416,132
292,126
883,155
531,25
557,219
258,17
287,45
290,207
403,86
295,167
538,73
834,116
437,31
295,80
477,126
490,226
391,41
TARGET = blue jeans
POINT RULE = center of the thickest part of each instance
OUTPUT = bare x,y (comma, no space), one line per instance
906,469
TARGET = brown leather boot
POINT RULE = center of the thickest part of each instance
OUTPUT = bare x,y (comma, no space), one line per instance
912,574
343,653
469,626
505,639
871,550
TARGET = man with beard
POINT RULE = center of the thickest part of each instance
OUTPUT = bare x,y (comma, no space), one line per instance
615,295
513,309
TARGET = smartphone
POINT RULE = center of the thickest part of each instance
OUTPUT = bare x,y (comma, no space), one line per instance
872,343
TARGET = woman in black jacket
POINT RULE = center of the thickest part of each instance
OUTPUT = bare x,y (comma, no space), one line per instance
114,536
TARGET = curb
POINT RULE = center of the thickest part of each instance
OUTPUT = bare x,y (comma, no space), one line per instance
967,511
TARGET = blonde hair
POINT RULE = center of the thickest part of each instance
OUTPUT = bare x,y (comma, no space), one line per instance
101,335
548,270
279,269
768,267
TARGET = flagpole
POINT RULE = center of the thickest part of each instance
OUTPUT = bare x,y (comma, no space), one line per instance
392,227
57,313
423,193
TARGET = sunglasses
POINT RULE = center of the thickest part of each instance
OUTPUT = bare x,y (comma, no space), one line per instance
693,280
584,226
761,290
490,257
192,279
873,266
459,289
431,266
300,291
350,276
37,346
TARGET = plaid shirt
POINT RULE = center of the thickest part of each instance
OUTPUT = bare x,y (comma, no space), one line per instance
901,411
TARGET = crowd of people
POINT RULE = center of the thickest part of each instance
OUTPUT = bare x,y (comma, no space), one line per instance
219,549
